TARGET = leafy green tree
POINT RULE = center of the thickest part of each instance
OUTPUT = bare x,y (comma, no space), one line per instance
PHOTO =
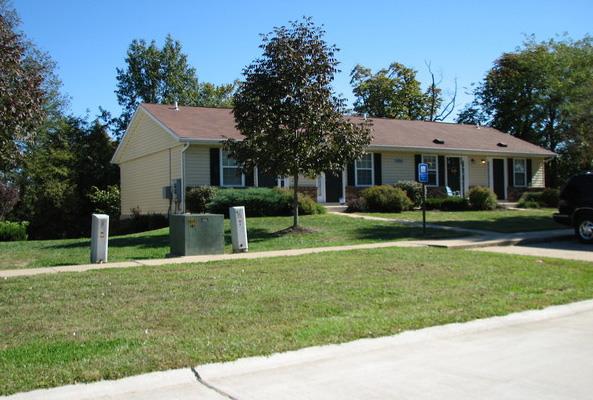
62,164
218,96
393,92
541,93
292,121
154,75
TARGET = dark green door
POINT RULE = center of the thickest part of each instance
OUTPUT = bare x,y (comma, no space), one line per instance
498,177
333,187
454,173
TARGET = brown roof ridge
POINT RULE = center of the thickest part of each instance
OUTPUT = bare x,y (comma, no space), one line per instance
172,106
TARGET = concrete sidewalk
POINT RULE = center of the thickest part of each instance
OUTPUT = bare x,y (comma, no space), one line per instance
545,354
567,250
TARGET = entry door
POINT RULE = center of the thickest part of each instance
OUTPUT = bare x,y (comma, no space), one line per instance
454,173
333,187
498,177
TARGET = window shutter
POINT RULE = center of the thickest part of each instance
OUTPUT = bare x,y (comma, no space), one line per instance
377,167
510,172
442,171
529,171
249,178
215,166
417,160
350,172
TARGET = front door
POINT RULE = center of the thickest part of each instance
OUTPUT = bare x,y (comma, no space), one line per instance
498,177
333,187
454,173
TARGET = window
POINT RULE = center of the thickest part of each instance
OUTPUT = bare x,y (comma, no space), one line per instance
519,172
433,169
364,170
231,174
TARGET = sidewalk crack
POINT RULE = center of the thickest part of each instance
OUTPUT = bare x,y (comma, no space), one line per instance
211,387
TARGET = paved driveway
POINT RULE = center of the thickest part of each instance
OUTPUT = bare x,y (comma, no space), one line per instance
566,249
545,354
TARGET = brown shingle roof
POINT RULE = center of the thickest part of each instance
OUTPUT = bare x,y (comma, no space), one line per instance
214,124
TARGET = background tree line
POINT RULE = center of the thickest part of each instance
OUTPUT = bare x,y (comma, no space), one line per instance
55,167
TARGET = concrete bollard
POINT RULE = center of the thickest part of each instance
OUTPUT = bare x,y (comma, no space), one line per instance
99,238
238,229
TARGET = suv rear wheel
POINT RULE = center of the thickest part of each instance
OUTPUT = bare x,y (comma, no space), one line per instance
584,228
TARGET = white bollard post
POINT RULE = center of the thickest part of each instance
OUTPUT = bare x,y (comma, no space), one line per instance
238,229
99,238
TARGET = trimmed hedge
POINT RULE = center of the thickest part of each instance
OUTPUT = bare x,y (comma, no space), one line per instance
261,202
386,198
447,203
482,198
13,231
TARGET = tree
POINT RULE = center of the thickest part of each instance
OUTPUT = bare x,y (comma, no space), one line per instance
541,93
9,196
154,75
395,92
23,72
292,122
218,96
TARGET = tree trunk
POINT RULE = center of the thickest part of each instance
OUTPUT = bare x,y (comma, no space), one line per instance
295,201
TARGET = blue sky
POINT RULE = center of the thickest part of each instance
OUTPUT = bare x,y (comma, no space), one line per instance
89,39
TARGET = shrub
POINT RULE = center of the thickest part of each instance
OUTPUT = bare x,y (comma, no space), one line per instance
550,197
413,190
260,202
197,198
13,231
137,223
528,204
105,201
386,198
482,198
454,203
434,203
357,204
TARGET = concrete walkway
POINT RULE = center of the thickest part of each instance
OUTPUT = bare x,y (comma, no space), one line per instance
545,354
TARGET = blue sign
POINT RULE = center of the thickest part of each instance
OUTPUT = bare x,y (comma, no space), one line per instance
423,173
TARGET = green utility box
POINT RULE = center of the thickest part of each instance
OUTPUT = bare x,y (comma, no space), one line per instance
195,234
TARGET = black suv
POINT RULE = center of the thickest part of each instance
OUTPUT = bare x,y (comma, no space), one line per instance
575,207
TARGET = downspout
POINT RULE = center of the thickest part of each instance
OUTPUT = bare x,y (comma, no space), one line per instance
185,147
170,185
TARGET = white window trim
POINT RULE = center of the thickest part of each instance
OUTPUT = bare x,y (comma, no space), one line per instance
437,168
222,184
365,169
524,172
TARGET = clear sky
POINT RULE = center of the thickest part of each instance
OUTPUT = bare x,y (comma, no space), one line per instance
88,39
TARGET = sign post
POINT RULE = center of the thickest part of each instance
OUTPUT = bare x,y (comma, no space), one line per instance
423,179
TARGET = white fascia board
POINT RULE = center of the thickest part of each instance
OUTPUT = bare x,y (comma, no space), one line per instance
462,151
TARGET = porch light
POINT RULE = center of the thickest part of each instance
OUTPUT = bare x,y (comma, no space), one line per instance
483,161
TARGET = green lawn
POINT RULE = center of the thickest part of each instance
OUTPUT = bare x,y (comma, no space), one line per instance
331,230
504,221
71,327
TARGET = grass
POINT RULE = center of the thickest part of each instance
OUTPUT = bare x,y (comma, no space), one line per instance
72,327
502,221
330,230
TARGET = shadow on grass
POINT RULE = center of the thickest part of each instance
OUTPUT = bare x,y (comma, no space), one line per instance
505,224
398,232
146,242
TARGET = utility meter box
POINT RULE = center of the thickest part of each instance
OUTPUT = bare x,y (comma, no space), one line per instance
195,234
238,229
99,238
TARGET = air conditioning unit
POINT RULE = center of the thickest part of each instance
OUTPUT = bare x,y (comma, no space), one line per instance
238,229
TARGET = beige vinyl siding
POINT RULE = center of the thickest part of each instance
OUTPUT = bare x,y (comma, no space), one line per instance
145,137
478,172
142,180
397,167
538,173
197,165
